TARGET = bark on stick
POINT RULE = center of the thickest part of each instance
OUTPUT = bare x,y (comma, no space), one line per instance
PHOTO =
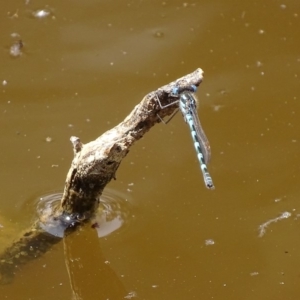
93,167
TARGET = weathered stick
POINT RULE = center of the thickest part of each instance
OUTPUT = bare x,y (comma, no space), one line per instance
93,166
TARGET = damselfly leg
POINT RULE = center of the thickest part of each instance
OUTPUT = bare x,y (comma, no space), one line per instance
176,94
164,106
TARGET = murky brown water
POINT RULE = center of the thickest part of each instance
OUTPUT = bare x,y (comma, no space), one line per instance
82,70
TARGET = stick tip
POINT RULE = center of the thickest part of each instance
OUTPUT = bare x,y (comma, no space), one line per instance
77,145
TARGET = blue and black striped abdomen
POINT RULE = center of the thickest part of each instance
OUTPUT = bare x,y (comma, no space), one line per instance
188,107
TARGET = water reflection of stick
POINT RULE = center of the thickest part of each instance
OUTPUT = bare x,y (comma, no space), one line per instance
93,167
89,270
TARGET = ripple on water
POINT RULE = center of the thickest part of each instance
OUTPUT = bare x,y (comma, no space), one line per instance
113,213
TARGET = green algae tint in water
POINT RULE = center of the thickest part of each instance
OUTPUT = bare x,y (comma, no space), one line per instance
82,69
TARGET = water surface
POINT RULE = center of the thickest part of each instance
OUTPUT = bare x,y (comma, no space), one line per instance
82,68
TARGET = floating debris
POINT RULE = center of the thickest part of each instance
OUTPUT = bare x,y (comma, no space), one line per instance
14,15
209,242
131,295
16,48
262,228
41,13
158,34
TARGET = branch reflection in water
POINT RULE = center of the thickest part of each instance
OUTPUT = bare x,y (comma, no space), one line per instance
90,273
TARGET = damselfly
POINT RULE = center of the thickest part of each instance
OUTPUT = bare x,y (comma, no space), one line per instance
188,108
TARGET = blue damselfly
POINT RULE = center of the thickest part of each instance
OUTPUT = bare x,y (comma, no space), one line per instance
188,107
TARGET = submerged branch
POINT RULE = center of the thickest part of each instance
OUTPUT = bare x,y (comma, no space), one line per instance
93,167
